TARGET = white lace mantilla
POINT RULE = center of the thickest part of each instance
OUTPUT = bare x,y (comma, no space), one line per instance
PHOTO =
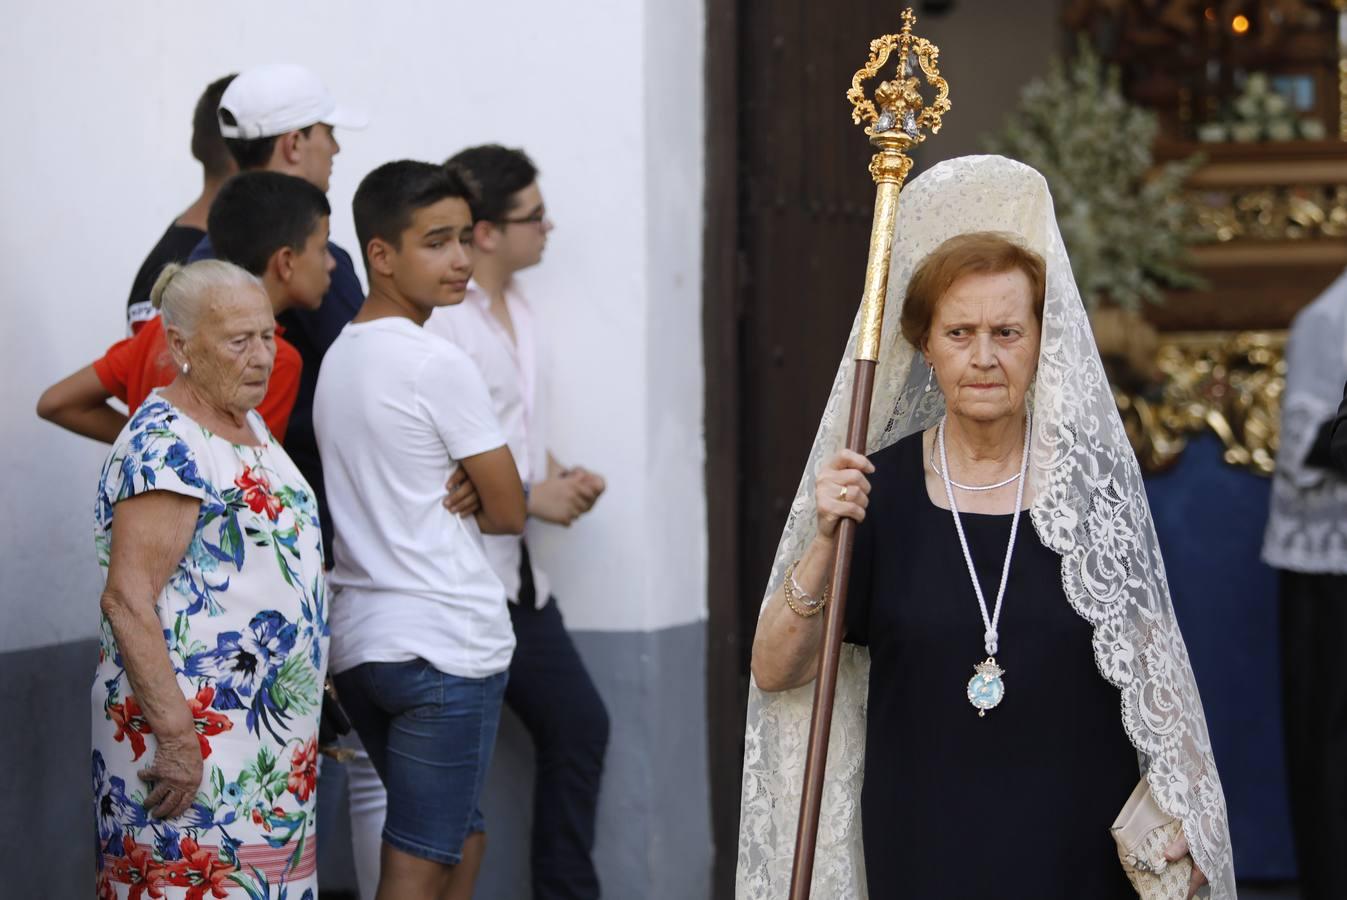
1089,505
1307,522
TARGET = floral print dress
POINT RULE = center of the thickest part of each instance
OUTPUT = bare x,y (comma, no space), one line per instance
244,616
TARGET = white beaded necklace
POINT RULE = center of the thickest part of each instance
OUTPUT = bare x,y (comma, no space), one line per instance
986,688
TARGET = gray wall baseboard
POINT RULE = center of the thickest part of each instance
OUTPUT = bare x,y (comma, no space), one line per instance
654,837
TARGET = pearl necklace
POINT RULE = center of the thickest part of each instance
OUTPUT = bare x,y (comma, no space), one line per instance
985,688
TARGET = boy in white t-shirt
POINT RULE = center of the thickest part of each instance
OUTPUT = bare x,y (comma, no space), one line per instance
549,689
421,638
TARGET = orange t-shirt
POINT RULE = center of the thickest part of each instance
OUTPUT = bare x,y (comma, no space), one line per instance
137,365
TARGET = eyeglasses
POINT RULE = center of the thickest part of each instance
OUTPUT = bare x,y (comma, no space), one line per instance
537,217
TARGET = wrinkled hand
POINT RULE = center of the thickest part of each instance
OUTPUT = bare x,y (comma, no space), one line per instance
563,499
845,470
173,777
1176,851
462,499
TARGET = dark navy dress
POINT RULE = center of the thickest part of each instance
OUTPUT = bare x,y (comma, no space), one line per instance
1017,803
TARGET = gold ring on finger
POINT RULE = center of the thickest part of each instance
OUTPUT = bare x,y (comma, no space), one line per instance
842,494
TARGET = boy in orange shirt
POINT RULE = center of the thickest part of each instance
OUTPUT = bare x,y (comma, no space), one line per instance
274,226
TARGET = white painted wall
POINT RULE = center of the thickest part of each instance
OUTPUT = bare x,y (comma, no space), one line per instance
606,96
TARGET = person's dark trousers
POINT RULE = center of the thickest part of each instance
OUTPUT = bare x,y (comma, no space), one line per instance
553,695
1314,690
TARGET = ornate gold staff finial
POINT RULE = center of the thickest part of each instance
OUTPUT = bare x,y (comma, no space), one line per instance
897,120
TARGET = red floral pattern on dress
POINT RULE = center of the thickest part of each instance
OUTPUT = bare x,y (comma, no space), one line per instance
205,871
143,872
208,724
257,493
303,778
131,724
105,877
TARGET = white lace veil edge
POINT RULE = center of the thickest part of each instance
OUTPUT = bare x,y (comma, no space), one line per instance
1089,505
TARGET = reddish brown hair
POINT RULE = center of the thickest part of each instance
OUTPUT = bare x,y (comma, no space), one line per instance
975,253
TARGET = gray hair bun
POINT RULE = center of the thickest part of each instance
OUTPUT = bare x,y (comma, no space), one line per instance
161,284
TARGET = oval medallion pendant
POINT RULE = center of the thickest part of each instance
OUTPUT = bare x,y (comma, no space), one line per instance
985,689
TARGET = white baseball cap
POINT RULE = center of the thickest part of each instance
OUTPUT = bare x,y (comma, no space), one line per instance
268,100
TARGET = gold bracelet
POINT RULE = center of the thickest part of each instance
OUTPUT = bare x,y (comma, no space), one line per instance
800,603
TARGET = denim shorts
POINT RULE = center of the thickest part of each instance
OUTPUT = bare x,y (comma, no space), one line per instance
430,737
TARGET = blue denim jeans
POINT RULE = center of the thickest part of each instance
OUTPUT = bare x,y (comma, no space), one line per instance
430,736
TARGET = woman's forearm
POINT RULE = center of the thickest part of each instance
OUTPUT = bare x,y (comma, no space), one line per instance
786,644
140,641
150,533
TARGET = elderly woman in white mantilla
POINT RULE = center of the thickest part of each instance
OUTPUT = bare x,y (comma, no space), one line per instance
1007,600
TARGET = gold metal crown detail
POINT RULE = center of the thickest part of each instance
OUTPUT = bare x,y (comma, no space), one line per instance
898,102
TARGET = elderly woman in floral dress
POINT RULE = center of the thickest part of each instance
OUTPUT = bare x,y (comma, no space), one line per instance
213,635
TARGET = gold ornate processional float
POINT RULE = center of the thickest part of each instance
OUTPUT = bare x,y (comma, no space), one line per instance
1268,226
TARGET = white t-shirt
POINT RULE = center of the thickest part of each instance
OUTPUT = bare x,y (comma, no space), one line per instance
510,369
394,410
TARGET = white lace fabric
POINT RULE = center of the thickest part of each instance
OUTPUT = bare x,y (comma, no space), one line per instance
1089,505
1307,520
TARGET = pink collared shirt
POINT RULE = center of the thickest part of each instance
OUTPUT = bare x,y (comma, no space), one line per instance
510,370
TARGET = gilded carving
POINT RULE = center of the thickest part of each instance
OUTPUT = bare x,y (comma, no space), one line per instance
896,120
1228,383
1341,7
1269,213
898,102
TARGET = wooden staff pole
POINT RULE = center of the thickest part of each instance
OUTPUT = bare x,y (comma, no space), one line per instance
889,168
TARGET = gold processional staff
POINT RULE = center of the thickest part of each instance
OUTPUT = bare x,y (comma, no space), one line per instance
897,120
